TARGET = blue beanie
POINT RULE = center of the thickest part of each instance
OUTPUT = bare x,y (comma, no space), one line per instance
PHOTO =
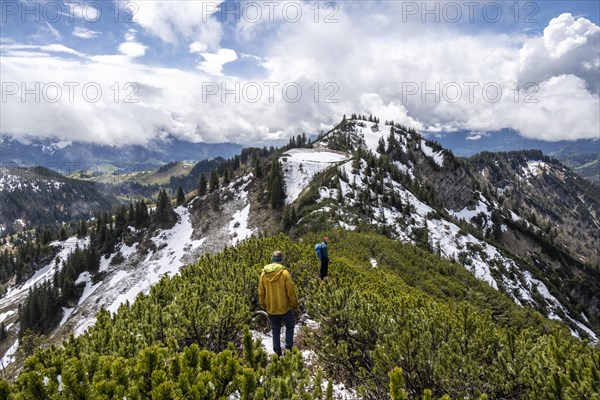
277,259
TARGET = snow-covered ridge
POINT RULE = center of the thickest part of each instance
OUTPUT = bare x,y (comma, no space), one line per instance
444,237
121,282
239,227
52,148
370,134
468,213
301,165
533,168
437,156
172,245
17,293
10,182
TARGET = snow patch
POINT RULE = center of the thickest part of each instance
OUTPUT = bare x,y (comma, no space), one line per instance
167,260
533,168
467,213
83,326
437,156
117,278
66,314
89,288
9,356
7,314
238,227
18,292
301,165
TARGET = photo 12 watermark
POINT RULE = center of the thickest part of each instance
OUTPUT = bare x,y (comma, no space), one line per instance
271,92
252,12
49,11
454,12
455,92
70,92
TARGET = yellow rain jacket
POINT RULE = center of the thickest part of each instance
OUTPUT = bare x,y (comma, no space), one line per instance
276,290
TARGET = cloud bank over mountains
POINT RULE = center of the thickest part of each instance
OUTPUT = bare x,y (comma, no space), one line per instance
256,81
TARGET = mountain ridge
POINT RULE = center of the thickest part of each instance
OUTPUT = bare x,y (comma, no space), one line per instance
70,156
485,214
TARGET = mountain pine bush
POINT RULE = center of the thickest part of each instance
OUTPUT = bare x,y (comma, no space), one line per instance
415,326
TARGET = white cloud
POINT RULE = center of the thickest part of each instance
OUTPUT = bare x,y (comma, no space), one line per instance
213,62
568,45
476,135
565,34
38,50
367,66
87,11
198,47
131,47
85,33
174,21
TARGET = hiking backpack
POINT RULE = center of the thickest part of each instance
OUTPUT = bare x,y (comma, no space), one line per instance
318,250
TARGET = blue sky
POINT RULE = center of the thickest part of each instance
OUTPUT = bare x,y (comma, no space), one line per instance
216,71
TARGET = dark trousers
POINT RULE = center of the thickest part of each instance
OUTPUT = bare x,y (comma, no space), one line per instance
324,267
289,322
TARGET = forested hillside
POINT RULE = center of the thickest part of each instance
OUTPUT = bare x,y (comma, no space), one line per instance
33,197
393,320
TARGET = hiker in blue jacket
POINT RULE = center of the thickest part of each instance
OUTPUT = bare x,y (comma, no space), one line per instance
323,255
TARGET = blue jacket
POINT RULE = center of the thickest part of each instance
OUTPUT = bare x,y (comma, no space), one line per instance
324,251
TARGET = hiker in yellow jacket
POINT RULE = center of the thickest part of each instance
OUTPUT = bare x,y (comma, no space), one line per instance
278,297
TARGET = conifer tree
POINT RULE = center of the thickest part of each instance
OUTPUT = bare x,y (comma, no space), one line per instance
257,168
227,176
163,207
214,181
381,146
83,230
202,185
180,196
2,332
120,220
63,234
286,219
276,185
131,214
141,214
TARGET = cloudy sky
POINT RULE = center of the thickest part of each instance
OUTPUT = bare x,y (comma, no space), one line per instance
256,72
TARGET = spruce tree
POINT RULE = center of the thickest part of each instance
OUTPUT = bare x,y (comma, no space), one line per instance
163,208
180,196
381,146
82,231
276,186
202,185
63,234
257,168
2,332
131,214
227,176
141,214
214,181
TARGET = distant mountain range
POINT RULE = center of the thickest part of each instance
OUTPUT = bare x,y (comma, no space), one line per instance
68,156
581,155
